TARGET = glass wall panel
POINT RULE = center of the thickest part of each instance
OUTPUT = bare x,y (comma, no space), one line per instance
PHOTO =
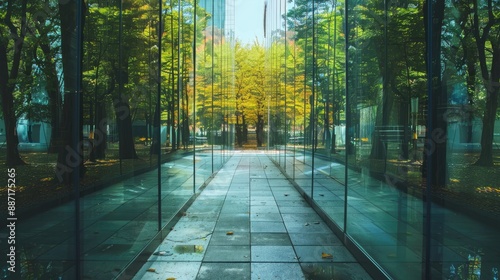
40,154
198,134
315,97
274,78
115,113
329,66
299,16
461,124
103,128
382,76
120,74
403,130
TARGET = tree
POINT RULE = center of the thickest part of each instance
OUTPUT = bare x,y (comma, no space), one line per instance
486,29
242,90
259,99
70,157
47,61
11,46
435,155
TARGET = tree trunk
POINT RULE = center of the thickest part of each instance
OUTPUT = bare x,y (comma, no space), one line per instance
13,157
492,86
185,119
153,150
245,130
378,149
486,156
438,134
171,112
100,133
124,125
70,157
54,94
403,121
239,132
435,152
471,87
260,130
490,80
7,87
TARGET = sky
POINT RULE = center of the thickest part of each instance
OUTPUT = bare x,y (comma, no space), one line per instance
248,20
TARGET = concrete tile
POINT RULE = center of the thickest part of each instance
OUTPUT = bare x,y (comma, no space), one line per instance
269,202
266,217
227,254
279,182
200,217
314,253
228,217
164,270
314,238
193,228
307,227
235,209
302,217
184,235
221,238
265,193
276,271
292,203
296,210
273,254
254,197
225,227
270,239
267,227
224,271
264,209
286,195
192,251
256,183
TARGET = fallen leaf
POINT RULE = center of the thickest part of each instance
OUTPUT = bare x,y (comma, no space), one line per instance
326,256
229,233
151,270
171,278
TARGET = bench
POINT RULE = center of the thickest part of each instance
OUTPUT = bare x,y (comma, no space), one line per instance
392,133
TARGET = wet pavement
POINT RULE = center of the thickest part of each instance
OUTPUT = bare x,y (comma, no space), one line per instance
251,223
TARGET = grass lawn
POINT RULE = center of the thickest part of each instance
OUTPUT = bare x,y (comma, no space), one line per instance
470,187
36,182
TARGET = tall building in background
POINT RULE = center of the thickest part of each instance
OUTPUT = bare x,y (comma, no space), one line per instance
219,6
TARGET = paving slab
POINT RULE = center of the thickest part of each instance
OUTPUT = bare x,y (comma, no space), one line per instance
251,223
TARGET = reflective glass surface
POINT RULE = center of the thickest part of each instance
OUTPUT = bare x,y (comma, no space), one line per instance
117,114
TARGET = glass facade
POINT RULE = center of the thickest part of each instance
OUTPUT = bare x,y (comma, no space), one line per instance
130,97
383,114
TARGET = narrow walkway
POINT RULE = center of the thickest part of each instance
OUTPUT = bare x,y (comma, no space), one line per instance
251,223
